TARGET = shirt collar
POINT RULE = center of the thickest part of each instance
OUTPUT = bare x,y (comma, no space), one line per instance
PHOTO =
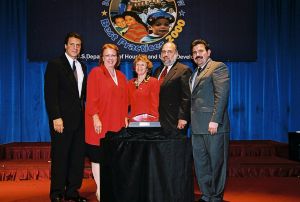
201,67
70,59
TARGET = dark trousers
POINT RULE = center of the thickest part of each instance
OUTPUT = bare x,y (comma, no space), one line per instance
67,162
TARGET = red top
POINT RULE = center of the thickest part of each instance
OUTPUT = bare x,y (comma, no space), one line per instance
136,32
144,99
108,100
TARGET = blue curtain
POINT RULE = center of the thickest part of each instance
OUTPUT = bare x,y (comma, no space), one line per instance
265,95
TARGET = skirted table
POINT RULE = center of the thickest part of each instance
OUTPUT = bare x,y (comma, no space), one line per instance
144,165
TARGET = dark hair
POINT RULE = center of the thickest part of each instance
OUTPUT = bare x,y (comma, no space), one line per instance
116,17
135,16
168,9
75,35
200,41
160,15
111,46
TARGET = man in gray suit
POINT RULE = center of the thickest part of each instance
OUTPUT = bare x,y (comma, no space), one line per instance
209,85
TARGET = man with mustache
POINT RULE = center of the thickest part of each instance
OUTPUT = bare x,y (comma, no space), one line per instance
209,85
174,96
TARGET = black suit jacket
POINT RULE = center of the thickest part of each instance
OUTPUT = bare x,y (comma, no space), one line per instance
174,97
61,94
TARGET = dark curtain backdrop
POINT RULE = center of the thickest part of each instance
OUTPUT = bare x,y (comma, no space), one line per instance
265,95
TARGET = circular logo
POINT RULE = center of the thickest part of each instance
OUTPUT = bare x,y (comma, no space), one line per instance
143,21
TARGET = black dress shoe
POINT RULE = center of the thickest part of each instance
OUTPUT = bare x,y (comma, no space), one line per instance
57,199
76,199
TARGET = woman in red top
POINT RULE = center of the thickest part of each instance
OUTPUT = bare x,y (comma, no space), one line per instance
106,105
143,90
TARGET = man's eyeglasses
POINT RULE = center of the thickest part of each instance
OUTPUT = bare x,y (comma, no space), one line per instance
168,52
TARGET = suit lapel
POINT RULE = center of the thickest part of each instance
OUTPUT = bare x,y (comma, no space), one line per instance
191,80
170,74
68,69
83,67
198,78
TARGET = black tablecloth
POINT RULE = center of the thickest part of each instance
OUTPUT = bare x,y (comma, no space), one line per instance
143,165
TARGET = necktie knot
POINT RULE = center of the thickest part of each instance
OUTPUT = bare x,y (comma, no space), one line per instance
199,70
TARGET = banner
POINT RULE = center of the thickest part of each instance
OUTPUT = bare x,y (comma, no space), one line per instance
143,26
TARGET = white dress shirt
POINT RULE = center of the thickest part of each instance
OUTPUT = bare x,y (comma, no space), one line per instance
79,71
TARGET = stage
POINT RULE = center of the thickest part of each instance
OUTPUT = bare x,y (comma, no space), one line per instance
258,171
256,158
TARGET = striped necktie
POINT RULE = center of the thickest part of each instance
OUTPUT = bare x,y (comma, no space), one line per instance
163,74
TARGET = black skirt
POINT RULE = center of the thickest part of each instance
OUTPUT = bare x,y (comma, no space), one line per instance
93,152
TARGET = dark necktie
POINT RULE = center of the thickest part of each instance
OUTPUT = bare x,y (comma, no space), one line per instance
196,74
74,71
199,70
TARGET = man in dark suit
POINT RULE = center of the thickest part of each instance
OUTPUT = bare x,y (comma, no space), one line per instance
174,96
209,85
65,91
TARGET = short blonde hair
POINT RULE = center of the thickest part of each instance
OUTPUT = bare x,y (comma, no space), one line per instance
144,58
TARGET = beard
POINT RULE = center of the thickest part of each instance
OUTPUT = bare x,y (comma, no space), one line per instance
169,62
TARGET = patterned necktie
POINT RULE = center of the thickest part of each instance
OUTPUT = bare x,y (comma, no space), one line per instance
74,71
163,74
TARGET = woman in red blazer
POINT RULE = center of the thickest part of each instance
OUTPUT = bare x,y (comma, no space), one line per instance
106,104
143,90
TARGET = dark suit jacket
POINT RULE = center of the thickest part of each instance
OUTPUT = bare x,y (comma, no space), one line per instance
174,97
61,94
209,99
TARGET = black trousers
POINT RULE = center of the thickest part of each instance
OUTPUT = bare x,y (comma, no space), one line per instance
67,162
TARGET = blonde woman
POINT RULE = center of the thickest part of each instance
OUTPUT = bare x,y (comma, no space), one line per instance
143,90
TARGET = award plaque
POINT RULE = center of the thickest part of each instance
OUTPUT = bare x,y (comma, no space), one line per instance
144,120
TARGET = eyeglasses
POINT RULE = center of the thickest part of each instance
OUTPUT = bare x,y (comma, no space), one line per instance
168,52
109,56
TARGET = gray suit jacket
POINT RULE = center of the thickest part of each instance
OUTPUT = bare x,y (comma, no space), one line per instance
209,98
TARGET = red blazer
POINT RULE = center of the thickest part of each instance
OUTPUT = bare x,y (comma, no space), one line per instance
108,100
144,99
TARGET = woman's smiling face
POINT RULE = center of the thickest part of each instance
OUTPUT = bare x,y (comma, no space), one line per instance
141,68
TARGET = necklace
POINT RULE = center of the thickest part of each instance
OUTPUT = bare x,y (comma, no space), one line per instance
137,83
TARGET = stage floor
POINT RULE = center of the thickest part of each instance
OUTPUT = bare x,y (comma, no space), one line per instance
266,189
258,171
